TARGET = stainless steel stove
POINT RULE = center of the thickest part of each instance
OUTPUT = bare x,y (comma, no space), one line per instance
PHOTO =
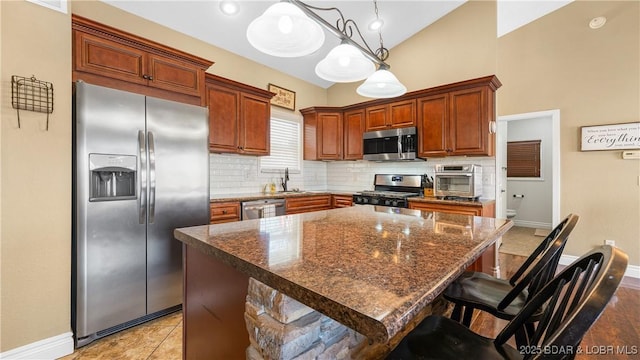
390,190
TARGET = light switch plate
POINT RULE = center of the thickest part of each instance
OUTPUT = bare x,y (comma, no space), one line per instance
631,154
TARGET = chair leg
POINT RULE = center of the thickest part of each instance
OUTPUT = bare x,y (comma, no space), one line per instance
522,336
468,315
456,314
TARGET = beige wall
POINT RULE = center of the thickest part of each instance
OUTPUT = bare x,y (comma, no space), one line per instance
458,47
593,77
36,164
36,179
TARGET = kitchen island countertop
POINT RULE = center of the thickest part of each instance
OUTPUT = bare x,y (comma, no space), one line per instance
374,269
215,198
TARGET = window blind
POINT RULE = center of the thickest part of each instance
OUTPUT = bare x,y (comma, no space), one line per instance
285,147
523,158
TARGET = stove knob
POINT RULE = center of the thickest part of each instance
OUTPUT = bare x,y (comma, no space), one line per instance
375,201
388,202
394,203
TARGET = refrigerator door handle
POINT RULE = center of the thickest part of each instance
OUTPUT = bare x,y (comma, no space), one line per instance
152,178
142,209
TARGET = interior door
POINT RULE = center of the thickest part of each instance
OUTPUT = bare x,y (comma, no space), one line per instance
177,140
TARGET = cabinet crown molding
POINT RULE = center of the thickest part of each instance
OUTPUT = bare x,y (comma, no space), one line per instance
95,28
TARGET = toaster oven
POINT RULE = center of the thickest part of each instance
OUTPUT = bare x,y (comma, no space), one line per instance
462,181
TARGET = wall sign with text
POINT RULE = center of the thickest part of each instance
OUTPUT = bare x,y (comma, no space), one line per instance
283,98
611,137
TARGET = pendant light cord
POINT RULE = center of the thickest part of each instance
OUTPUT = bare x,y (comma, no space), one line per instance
382,53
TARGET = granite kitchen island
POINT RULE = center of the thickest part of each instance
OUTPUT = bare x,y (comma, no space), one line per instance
373,270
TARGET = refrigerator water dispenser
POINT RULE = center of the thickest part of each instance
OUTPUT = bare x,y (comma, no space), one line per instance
113,177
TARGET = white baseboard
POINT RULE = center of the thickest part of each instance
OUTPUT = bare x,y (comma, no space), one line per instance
632,270
52,348
531,224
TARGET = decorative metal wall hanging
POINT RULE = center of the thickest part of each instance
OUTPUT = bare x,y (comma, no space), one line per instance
31,94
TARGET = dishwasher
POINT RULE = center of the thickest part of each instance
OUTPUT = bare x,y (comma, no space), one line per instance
259,209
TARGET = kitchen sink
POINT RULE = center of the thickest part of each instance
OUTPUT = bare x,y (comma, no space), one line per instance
293,192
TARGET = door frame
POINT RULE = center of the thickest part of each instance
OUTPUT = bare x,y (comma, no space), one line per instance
501,148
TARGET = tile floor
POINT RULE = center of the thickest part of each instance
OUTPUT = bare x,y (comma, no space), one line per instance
161,339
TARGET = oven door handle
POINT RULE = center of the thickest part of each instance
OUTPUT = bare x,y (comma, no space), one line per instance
451,175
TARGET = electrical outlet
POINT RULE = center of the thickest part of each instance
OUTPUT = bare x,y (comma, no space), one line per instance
610,242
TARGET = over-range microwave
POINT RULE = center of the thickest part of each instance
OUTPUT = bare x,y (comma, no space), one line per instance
394,144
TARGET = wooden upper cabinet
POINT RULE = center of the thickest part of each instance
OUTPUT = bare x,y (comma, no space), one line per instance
239,117
109,57
452,119
397,114
469,123
377,118
433,127
104,57
224,108
170,74
330,134
255,126
458,120
323,133
353,129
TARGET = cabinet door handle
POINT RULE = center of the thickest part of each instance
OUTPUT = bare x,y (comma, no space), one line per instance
224,212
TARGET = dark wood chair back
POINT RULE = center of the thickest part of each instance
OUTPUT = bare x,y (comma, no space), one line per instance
575,299
541,265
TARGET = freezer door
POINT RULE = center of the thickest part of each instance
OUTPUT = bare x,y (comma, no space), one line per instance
177,139
109,240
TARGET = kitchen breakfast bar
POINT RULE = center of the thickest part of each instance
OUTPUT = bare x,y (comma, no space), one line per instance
342,283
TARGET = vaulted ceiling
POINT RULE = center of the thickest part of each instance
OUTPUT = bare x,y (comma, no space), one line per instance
204,20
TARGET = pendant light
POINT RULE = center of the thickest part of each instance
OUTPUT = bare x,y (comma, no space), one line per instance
382,84
285,31
292,28
345,63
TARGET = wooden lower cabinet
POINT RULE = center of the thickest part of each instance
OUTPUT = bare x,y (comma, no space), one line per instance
485,263
213,310
340,201
487,210
304,204
224,212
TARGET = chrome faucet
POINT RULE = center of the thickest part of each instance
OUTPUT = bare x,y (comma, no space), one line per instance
284,180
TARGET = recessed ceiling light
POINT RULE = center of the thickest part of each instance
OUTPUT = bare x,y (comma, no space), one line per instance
376,24
229,7
597,22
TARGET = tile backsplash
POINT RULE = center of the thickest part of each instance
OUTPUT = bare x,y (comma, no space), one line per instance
238,174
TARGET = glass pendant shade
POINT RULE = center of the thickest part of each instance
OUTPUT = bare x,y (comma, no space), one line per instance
285,31
345,63
382,84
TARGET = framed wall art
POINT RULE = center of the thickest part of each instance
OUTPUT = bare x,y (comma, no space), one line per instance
284,98
610,137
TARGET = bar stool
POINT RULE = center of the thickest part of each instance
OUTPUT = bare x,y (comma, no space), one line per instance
572,302
502,298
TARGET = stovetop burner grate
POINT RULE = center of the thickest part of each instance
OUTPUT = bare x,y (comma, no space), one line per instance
388,194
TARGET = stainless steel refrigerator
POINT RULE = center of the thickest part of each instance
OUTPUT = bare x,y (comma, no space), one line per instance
140,169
